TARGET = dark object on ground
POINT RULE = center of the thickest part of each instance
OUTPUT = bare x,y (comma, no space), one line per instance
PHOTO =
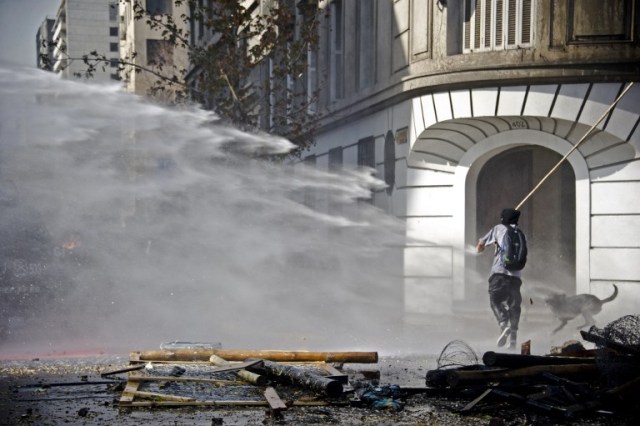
291,374
604,380
495,359
388,397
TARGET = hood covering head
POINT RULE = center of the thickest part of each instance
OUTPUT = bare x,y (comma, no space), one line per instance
509,216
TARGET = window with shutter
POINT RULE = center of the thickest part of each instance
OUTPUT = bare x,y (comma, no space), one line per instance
525,34
497,24
511,23
367,155
476,27
337,67
467,27
366,152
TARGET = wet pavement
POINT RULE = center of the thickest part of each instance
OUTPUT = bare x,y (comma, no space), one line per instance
57,389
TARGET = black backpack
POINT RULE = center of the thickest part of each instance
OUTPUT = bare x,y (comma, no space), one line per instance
515,249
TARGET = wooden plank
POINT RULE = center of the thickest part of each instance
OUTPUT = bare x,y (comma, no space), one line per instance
235,367
141,378
124,370
473,403
334,373
272,397
243,374
229,403
497,359
462,377
162,397
156,361
128,392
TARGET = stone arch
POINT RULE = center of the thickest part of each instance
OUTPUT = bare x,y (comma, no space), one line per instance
464,191
458,148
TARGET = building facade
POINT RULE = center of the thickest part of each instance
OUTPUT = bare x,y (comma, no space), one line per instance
144,47
82,27
463,106
45,44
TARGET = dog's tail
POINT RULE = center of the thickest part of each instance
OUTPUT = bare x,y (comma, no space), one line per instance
613,296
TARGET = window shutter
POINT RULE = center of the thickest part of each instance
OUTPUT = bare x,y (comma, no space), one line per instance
511,23
366,152
468,19
487,24
477,16
526,22
499,23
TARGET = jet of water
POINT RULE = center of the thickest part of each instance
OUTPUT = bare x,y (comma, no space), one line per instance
127,224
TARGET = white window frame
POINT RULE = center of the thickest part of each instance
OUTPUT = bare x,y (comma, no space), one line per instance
496,42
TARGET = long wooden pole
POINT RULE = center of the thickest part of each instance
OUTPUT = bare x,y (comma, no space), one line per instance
624,92
467,377
241,355
495,359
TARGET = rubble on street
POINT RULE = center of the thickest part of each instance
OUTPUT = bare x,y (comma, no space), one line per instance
570,383
210,385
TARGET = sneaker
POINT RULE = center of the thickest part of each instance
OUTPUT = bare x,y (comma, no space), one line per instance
513,337
503,337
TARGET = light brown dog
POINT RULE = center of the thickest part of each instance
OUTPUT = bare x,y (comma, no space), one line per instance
566,308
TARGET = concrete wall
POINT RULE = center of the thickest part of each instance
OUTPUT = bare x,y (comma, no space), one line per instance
134,36
418,50
452,134
84,25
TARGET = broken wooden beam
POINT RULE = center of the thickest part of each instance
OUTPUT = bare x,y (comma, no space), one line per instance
496,359
161,397
124,370
301,377
242,373
475,402
227,403
128,392
275,403
64,384
519,399
334,373
611,344
468,377
213,382
241,355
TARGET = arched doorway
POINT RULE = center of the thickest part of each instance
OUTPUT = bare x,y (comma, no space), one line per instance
548,218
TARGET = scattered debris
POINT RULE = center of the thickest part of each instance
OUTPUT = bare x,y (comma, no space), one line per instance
216,377
570,382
